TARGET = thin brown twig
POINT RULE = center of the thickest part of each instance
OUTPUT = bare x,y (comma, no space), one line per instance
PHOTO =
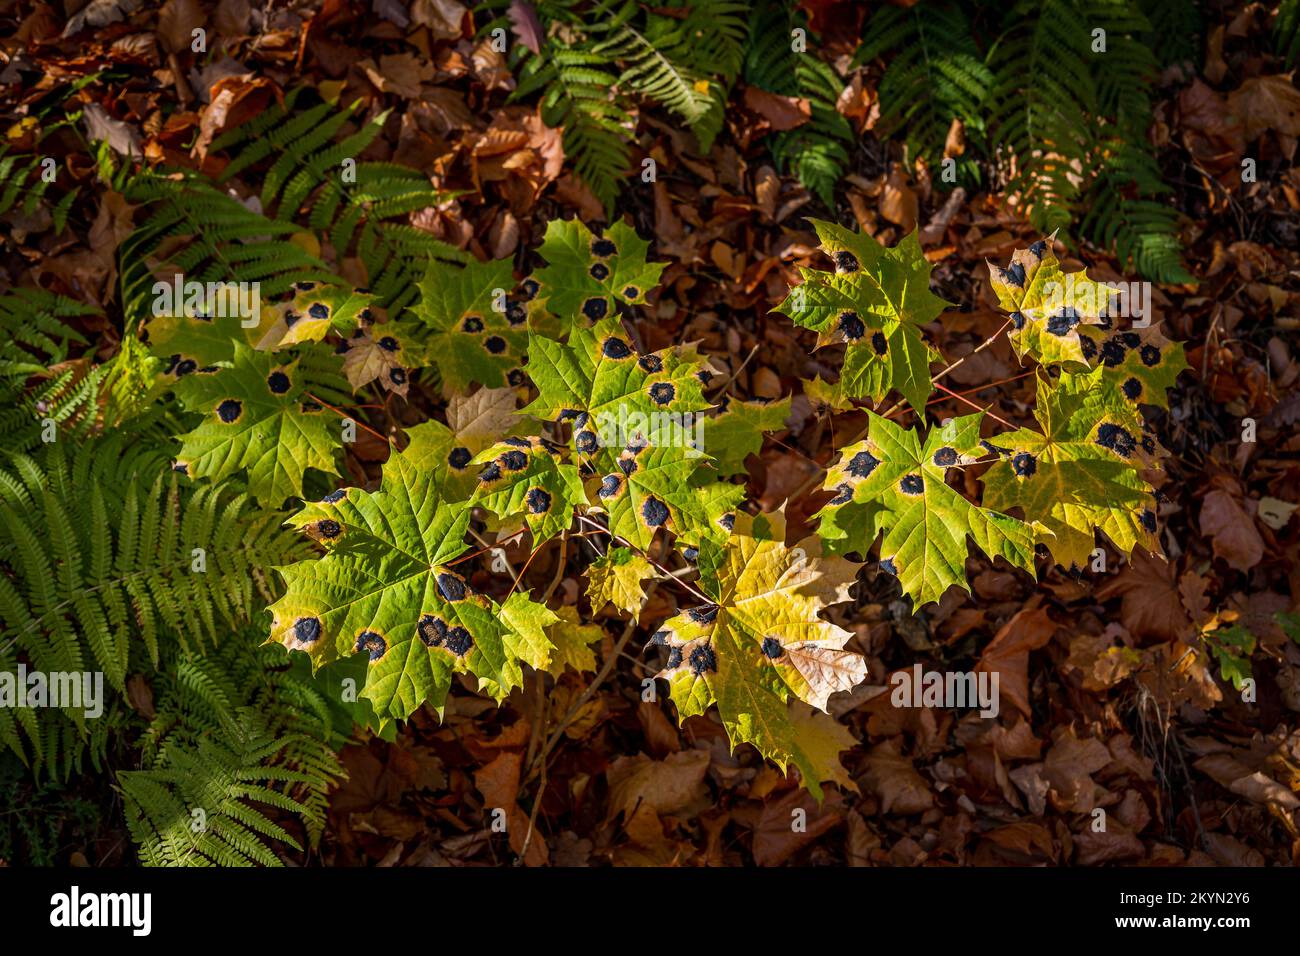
539,704
532,814
559,566
739,368
538,678
952,365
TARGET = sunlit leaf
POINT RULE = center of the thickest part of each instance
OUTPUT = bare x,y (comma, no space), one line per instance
586,276
874,303
762,643
894,483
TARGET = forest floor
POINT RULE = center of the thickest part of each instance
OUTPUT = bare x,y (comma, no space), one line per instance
1108,699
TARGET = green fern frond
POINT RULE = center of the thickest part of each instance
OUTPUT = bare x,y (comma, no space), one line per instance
1127,214
578,99
935,75
596,57
686,65
651,73
1286,32
207,236
1177,28
24,186
206,803
105,552
33,334
714,36
41,392
1043,108
57,749
1069,107
361,208
1127,69
816,152
237,693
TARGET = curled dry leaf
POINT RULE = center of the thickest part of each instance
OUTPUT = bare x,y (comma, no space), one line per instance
1235,537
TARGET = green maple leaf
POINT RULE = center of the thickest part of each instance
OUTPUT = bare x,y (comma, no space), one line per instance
891,482
205,331
1067,318
737,432
313,310
445,458
849,250
823,738
1077,475
762,643
712,511
875,303
821,392
610,393
527,636
615,578
478,336
187,342
1140,366
572,642
586,275
386,588
656,487
1048,306
525,479
259,417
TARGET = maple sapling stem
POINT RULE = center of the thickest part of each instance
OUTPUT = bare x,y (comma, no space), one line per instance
659,567
532,815
339,412
559,566
902,402
976,405
591,688
540,706
486,547
522,571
